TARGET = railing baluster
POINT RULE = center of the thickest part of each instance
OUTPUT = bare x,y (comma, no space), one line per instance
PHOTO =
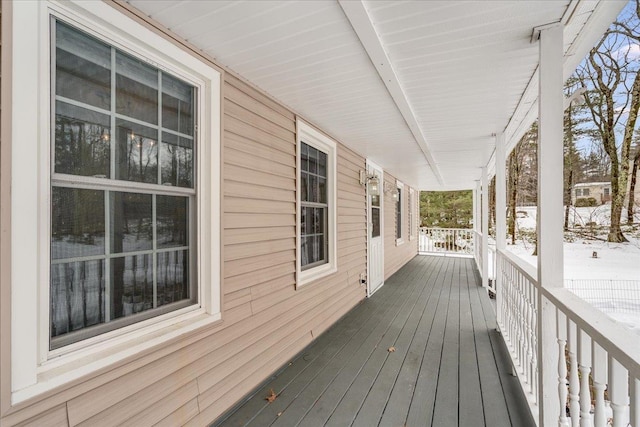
574,381
618,392
599,373
584,357
561,326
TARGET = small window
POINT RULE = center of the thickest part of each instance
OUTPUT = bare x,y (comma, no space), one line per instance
399,212
317,204
585,192
607,191
314,206
578,192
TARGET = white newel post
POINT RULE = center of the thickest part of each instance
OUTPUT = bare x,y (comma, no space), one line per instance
485,228
501,214
550,219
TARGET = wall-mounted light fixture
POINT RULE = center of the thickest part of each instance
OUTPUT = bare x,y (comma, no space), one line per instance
371,181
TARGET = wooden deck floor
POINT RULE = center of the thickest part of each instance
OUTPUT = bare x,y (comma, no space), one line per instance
449,367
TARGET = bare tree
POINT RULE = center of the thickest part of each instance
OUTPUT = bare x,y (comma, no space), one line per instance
613,101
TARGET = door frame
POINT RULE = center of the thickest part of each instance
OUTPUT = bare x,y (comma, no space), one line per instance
369,166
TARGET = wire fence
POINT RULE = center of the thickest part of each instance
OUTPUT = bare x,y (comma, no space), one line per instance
614,296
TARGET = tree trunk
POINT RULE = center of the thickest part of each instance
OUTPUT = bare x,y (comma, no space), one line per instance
615,233
632,187
567,197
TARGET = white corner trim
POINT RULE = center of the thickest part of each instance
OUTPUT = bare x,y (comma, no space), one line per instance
360,20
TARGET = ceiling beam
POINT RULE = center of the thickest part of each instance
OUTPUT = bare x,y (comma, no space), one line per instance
357,15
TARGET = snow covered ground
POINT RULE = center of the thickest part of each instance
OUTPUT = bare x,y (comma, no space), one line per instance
614,264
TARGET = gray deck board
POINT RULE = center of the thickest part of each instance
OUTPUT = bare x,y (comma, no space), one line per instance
449,366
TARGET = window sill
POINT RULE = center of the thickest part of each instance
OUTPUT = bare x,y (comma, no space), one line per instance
314,274
72,366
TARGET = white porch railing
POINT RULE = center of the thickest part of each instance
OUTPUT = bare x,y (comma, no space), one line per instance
446,241
598,367
477,244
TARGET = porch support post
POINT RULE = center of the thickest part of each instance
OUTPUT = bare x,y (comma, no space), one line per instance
501,216
550,218
476,218
485,228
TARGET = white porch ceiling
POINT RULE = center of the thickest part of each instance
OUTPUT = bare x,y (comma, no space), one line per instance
464,70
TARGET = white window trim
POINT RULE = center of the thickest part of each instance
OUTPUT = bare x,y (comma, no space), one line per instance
35,369
412,212
310,136
400,240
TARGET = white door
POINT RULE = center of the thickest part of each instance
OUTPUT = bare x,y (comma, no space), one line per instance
375,236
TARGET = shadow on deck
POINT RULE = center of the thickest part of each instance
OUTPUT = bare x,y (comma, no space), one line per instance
449,368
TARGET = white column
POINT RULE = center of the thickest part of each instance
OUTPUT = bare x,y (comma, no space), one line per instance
550,219
485,228
477,226
501,215
474,192
501,193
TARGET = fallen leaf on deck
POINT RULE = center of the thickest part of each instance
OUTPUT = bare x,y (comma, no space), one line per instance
271,397
391,349
279,413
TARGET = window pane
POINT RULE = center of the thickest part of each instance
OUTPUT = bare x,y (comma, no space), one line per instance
177,161
304,157
136,152
313,160
77,295
136,89
171,221
313,195
77,222
322,190
173,277
375,221
177,105
131,285
322,164
83,67
131,222
304,186
318,220
310,221
304,252
320,242
311,249
81,141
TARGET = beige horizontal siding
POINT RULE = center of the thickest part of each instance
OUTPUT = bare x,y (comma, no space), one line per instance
396,255
266,320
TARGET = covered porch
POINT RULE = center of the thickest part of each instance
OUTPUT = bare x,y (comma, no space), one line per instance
423,350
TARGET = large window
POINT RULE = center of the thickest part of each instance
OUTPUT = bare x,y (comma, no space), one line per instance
317,204
120,252
115,212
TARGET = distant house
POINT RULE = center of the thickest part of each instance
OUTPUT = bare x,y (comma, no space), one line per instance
600,191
